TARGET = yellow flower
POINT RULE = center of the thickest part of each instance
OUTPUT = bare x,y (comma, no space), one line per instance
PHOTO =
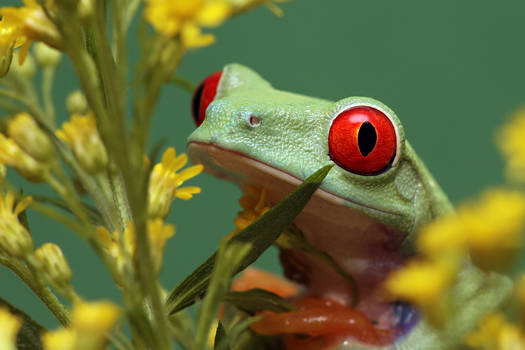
158,234
421,282
10,324
90,322
61,339
94,317
511,141
27,166
14,237
445,234
253,204
54,265
164,183
493,226
23,129
119,247
19,26
186,17
81,134
495,333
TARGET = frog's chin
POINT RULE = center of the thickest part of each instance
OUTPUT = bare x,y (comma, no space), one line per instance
362,247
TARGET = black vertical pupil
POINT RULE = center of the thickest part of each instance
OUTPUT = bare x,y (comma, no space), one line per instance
366,138
196,101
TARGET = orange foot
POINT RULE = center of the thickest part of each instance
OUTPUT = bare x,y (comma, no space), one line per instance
323,322
253,278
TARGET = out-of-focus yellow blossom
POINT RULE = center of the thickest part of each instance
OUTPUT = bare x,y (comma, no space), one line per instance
444,235
511,141
493,226
421,282
520,297
253,204
61,339
489,230
19,26
10,324
81,134
54,265
164,183
14,237
27,166
90,322
495,333
119,247
186,17
27,134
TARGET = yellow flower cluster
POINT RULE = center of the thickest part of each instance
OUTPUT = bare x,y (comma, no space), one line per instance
19,26
511,141
15,240
165,182
81,134
10,324
121,247
28,149
489,231
186,17
90,323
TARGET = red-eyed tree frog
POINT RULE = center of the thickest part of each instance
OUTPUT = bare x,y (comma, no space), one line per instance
365,215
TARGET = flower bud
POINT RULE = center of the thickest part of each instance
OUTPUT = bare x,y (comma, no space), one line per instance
82,136
53,264
46,56
76,103
25,69
28,135
14,237
12,154
6,56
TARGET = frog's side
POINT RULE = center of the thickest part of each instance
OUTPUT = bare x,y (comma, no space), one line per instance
253,134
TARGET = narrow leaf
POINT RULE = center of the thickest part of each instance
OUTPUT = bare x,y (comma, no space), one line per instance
260,234
93,214
234,333
229,256
255,300
28,337
220,336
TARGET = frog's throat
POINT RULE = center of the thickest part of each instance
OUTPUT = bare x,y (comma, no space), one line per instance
231,165
363,247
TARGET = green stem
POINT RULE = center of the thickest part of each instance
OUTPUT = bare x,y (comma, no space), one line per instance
41,290
47,94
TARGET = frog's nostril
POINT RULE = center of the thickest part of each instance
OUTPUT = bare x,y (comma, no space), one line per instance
254,120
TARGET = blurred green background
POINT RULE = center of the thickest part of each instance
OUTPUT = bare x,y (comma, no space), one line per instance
452,71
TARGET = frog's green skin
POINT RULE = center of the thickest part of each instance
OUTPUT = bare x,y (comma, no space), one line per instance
291,135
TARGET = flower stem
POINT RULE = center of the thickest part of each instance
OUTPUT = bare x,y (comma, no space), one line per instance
41,290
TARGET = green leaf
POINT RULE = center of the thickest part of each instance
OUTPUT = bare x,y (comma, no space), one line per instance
234,333
28,337
260,234
220,336
229,257
255,300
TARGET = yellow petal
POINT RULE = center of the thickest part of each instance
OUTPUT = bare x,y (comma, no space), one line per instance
213,13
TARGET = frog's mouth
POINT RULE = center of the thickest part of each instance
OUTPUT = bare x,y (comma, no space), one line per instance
363,248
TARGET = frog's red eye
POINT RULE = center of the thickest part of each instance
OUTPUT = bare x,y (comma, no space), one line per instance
362,140
203,95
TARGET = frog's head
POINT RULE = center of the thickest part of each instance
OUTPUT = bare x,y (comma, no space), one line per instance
369,206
